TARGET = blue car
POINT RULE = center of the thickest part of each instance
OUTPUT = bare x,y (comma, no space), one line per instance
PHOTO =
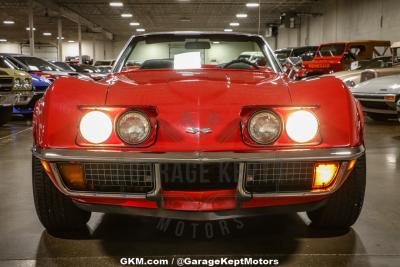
40,85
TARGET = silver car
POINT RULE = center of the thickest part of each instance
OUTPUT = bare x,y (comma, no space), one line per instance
379,97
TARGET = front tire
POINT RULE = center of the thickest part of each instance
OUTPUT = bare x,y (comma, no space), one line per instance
5,114
344,206
56,212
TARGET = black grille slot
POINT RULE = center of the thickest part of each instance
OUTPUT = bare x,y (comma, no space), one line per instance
377,105
6,83
119,177
199,176
277,177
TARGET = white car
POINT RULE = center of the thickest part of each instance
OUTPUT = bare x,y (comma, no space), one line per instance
379,96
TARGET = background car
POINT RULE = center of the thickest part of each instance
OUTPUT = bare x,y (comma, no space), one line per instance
104,65
334,57
38,66
90,71
304,52
353,77
378,97
15,87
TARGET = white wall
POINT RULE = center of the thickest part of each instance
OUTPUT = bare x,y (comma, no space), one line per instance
95,49
345,20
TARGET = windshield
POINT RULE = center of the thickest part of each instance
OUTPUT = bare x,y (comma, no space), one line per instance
37,64
331,50
63,66
283,54
4,63
196,52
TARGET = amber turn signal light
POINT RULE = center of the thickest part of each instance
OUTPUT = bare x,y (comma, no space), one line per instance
72,175
324,174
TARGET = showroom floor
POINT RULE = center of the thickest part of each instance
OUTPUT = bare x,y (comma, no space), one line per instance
373,241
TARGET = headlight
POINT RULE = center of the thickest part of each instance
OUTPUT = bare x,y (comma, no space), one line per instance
302,126
133,127
17,83
27,84
264,127
96,127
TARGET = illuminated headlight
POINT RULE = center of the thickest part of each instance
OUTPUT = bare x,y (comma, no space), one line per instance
302,126
264,127
96,127
133,127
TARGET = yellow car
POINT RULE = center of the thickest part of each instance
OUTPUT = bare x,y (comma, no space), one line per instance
15,88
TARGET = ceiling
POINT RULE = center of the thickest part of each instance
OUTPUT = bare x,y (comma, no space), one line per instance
153,15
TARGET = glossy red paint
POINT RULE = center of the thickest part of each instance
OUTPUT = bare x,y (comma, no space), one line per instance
199,201
205,98
219,99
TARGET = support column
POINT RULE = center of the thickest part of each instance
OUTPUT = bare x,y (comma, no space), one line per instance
59,40
80,42
31,31
94,50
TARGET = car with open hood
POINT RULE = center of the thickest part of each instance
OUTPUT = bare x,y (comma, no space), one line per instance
184,128
343,56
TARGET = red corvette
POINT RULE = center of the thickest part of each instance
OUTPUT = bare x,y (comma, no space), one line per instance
184,128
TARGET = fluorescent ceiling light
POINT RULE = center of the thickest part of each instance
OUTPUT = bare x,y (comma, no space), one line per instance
241,15
140,30
252,4
216,42
47,33
126,15
234,24
71,41
116,4
28,29
58,38
3,40
134,23
8,21
228,30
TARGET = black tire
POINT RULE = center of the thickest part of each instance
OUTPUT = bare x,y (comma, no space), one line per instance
56,212
5,114
381,117
344,206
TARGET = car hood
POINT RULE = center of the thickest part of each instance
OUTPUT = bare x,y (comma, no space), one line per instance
39,81
199,99
382,85
198,88
14,73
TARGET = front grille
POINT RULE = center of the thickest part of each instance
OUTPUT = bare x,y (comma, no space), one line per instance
277,177
119,177
6,83
199,176
377,105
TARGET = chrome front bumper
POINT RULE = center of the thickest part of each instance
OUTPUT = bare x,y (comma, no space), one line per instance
54,156
8,99
23,98
389,104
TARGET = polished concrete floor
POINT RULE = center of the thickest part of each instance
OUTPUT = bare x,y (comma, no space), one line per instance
373,241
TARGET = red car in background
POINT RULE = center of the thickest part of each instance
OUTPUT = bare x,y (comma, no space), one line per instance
196,133
334,57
